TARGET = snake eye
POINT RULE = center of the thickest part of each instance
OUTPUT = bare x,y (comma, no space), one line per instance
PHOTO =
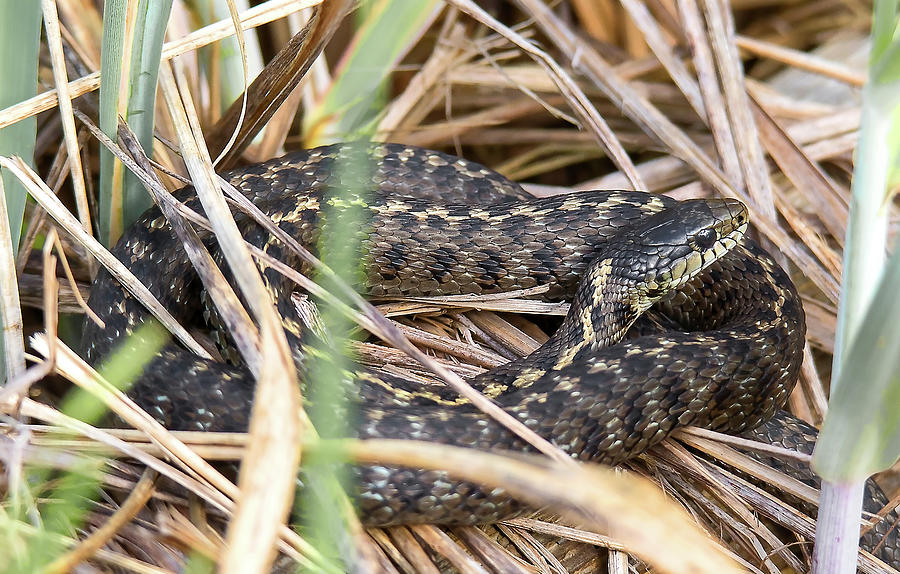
705,238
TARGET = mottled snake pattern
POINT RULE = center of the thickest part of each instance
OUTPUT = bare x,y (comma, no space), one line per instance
727,358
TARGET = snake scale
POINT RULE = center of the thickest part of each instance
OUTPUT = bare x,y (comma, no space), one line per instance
439,225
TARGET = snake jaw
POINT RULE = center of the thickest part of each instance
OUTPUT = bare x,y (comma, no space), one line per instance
698,261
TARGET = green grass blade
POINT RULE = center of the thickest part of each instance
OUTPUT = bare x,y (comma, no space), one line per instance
20,35
861,435
388,32
856,437
146,48
884,26
112,56
58,500
331,365
379,44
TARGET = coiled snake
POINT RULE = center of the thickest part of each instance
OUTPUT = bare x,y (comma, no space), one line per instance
439,225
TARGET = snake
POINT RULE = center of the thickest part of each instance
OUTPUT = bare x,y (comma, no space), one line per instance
676,318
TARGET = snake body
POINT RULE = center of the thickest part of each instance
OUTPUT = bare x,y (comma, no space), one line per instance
439,225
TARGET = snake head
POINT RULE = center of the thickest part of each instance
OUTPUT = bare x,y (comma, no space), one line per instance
678,243
666,250
645,262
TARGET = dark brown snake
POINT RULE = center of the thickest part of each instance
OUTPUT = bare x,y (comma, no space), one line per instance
439,225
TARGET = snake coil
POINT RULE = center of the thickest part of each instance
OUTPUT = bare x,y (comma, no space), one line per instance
438,225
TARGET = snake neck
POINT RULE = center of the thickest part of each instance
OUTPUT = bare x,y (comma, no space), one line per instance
597,326
597,318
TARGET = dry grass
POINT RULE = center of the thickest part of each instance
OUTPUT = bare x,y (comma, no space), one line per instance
685,99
